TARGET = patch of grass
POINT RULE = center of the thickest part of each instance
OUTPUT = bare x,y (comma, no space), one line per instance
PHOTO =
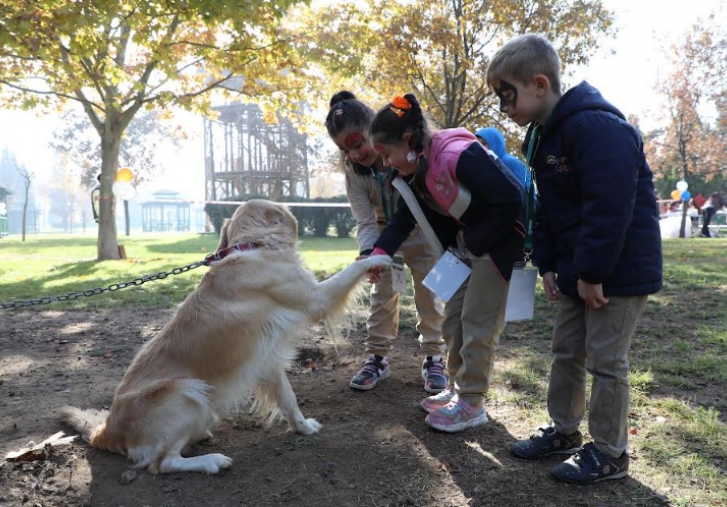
524,380
51,266
692,441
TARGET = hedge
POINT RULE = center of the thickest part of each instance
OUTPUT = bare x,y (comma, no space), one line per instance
311,220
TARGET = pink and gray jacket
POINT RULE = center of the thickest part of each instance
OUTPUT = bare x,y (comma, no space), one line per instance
468,190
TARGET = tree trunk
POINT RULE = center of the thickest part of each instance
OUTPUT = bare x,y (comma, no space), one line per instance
25,207
683,228
685,204
108,247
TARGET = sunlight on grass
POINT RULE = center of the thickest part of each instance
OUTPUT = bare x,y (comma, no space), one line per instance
692,440
641,382
51,266
524,380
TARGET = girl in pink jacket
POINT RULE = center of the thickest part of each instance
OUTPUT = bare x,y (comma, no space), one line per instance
475,207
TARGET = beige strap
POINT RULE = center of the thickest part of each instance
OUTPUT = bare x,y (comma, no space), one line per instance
416,210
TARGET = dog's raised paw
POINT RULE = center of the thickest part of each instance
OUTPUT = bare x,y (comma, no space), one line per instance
379,261
309,427
216,462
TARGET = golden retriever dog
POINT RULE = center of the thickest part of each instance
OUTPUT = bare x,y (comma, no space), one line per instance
232,337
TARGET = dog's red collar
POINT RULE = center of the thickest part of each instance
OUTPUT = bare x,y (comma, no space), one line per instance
221,254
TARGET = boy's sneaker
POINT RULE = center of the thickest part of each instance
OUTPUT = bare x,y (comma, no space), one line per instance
374,369
438,400
590,465
457,415
547,442
435,380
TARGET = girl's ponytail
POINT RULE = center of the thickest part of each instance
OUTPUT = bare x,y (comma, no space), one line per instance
347,112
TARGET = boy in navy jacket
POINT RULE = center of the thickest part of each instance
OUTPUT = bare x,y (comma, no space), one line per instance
598,249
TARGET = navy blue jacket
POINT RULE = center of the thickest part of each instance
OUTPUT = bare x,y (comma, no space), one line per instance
598,219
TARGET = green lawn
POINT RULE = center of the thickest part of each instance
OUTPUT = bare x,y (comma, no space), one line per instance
55,265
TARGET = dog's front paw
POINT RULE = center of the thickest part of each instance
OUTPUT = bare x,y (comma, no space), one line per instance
378,261
309,427
217,462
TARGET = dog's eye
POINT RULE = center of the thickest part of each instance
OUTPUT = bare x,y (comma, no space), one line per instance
275,221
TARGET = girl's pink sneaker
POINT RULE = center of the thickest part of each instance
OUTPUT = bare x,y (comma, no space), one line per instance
457,415
438,400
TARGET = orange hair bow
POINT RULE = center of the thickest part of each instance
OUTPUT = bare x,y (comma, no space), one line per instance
398,105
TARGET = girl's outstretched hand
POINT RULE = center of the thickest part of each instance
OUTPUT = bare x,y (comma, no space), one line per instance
374,273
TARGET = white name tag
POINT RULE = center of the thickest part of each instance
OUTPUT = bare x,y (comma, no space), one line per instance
398,275
521,296
447,276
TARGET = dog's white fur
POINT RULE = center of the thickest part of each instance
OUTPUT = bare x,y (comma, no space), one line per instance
233,336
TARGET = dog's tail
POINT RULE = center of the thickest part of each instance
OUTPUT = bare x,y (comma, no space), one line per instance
86,422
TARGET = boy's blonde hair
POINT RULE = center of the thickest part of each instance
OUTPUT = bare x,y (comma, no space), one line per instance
525,56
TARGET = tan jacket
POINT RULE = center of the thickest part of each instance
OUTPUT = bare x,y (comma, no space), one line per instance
365,195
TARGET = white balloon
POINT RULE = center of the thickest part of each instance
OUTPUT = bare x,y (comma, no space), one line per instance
129,194
682,185
123,190
119,186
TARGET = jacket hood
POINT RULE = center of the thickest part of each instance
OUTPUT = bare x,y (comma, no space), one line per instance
456,138
494,139
579,98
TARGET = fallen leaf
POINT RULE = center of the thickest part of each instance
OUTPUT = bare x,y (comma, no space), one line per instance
35,452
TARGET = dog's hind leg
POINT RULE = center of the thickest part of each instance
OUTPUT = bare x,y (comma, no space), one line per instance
179,415
282,392
173,461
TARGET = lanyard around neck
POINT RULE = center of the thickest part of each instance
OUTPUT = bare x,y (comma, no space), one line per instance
530,201
388,209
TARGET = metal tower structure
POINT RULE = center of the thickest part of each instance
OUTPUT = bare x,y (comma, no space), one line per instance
244,155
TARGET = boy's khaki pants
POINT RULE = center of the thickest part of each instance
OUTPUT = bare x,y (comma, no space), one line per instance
383,321
474,318
598,342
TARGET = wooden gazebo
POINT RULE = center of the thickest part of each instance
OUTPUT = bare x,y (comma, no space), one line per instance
166,212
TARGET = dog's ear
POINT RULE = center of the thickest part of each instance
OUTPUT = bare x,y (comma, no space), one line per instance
223,236
272,217
275,217
293,222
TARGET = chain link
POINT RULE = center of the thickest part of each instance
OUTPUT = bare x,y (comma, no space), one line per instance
100,290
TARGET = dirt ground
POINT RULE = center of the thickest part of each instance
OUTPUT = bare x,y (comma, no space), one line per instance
374,449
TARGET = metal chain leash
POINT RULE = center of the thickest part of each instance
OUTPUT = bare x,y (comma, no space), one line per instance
100,290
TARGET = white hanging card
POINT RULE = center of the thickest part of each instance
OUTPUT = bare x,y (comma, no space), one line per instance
398,275
447,276
521,296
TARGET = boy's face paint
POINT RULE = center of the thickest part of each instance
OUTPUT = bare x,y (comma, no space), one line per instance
507,92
